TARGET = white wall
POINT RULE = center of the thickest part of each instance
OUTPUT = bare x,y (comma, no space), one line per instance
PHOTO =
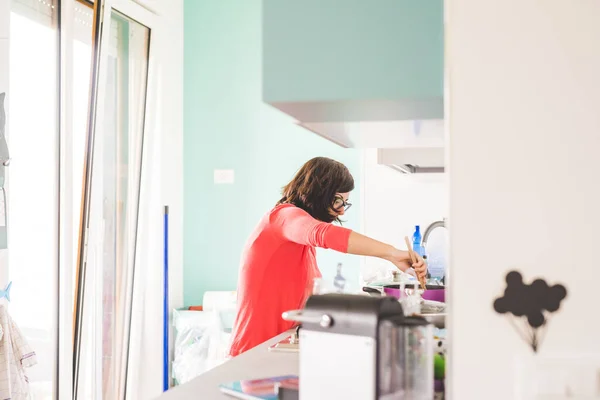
162,185
524,138
393,203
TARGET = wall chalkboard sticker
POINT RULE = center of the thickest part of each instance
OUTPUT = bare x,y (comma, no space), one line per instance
528,307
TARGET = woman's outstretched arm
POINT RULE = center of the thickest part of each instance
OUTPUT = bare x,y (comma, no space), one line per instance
365,246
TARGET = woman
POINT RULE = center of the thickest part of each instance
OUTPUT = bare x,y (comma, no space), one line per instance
279,264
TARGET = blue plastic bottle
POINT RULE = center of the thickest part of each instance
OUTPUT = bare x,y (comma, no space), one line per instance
417,241
339,282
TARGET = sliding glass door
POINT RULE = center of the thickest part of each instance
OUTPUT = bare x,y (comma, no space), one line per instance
77,93
106,264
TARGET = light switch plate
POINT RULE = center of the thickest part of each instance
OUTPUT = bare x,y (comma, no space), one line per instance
224,176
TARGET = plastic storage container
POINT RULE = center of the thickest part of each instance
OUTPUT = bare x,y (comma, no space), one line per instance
406,359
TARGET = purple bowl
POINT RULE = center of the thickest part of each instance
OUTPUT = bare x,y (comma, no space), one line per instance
429,294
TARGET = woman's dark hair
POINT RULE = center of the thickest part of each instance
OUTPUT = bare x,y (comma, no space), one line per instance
315,185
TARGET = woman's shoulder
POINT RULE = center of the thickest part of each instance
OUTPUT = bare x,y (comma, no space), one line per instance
286,210
283,206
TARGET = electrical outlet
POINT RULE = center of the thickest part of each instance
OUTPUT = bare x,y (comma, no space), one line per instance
224,176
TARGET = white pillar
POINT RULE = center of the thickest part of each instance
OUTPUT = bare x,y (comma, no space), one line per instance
524,167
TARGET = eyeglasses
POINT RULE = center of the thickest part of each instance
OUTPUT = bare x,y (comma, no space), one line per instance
339,203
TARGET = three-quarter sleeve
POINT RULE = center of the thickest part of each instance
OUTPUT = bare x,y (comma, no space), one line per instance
297,226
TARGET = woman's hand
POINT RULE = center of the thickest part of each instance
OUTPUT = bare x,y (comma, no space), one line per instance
420,268
401,259
365,246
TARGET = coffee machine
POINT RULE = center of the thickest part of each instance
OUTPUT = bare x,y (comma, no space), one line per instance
364,348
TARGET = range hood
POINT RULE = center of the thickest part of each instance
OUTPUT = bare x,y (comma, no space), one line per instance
367,75
371,123
413,160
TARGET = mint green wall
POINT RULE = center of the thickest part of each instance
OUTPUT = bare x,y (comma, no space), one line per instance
227,126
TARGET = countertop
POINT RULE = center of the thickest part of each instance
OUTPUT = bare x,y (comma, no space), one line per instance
256,363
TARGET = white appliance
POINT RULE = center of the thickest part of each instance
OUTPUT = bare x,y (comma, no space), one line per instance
341,342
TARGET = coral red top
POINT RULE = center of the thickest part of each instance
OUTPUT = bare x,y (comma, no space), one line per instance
277,271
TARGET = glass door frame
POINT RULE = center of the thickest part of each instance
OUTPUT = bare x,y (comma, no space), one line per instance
70,297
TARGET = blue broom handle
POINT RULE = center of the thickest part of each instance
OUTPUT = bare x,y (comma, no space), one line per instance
166,303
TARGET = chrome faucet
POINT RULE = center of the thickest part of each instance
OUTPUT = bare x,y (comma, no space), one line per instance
430,228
